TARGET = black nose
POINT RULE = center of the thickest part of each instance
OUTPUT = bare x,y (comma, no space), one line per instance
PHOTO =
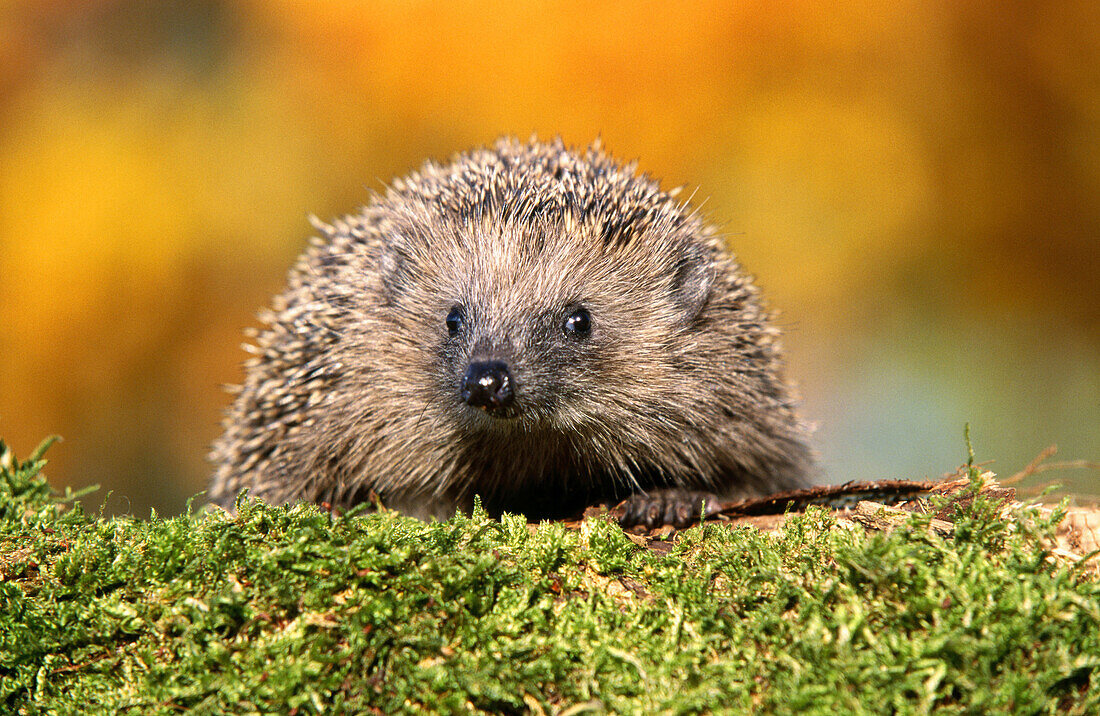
488,385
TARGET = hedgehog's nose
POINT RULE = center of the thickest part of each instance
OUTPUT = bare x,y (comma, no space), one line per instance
488,385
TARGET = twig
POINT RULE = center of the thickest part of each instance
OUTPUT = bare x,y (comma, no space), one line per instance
1037,465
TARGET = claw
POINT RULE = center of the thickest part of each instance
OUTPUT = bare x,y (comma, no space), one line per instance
679,508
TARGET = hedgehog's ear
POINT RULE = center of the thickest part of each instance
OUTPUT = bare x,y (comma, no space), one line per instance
693,281
395,266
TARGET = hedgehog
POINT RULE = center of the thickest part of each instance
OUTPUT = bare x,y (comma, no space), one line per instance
529,325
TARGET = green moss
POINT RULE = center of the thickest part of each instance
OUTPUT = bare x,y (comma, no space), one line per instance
292,609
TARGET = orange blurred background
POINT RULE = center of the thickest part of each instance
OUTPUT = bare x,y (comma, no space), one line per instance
915,184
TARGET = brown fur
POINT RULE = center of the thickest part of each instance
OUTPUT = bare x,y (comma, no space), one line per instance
355,383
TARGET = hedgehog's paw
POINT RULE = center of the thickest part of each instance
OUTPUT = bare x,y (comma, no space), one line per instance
676,507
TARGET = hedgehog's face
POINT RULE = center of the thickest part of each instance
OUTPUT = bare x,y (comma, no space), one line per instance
487,383
522,364
549,332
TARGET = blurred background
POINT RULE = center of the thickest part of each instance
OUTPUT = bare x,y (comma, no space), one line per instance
916,186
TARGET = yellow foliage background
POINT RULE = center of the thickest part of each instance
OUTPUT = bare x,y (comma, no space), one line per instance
916,185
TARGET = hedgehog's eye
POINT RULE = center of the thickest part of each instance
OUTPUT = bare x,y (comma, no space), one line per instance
454,321
578,323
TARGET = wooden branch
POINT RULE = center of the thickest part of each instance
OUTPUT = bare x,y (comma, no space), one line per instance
876,516
831,495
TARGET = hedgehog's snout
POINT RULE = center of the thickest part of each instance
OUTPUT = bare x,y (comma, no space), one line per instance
488,385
